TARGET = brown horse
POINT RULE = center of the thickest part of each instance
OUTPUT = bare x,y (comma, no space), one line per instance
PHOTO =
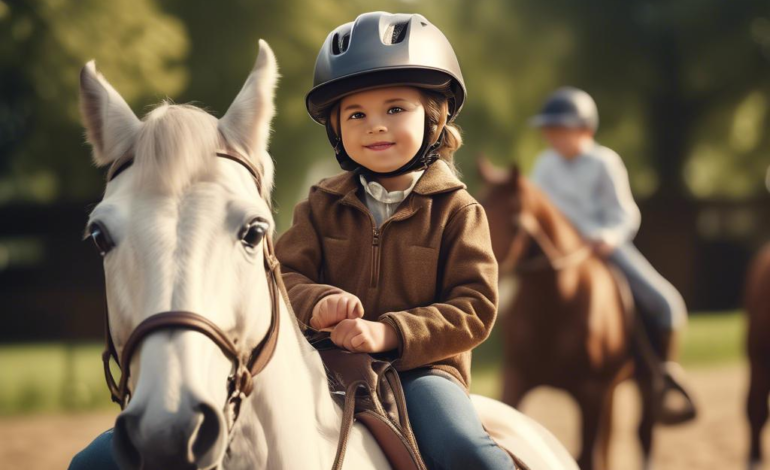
758,309
568,326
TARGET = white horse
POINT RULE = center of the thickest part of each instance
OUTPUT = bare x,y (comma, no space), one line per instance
176,229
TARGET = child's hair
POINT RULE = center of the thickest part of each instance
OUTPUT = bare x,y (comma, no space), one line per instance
451,139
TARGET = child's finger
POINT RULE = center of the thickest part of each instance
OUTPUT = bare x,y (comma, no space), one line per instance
342,309
358,309
330,312
316,317
345,331
357,342
339,332
326,314
351,308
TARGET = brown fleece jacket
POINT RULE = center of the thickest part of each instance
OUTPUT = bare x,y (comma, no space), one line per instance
428,271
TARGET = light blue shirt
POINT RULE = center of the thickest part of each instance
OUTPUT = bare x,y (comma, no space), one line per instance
593,192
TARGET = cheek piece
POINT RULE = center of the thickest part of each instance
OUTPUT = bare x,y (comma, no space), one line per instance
424,157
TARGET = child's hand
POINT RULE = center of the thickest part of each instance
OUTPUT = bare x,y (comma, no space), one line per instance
334,308
602,248
359,335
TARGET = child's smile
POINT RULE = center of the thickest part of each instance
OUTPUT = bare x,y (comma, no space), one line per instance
379,146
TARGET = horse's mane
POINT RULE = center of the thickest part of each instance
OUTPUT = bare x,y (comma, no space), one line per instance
553,221
175,147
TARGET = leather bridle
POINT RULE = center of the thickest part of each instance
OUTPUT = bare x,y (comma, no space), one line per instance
246,364
550,259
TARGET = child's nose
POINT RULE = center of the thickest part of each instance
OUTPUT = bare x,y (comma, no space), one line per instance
377,128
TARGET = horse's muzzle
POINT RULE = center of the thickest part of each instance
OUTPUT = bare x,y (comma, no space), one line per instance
193,437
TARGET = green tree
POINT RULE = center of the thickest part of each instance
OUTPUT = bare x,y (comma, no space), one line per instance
43,45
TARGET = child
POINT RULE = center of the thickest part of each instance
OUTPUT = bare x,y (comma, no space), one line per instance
589,184
394,254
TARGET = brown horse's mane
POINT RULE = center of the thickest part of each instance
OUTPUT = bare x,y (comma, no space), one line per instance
555,224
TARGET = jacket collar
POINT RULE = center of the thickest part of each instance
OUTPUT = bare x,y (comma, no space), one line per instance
438,178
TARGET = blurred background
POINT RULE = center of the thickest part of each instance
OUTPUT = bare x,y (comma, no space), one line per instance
683,90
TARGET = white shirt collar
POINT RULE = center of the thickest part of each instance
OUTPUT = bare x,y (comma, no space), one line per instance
379,193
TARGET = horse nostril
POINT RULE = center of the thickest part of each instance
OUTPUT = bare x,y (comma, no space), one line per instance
206,441
123,441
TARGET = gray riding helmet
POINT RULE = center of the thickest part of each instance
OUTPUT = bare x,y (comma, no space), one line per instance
383,49
568,107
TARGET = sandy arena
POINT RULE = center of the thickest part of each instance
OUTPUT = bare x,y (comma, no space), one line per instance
716,441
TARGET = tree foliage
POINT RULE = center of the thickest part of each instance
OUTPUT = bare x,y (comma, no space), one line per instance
683,87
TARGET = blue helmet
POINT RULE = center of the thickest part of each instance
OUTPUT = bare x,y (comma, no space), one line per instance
568,107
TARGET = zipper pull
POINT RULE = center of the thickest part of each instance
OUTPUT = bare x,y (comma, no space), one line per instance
376,239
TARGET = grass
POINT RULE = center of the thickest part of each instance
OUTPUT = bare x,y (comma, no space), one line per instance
32,376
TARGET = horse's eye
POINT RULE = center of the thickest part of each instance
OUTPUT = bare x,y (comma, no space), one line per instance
101,238
253,233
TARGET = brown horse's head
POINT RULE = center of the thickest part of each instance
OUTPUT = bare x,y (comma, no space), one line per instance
526,229
505,198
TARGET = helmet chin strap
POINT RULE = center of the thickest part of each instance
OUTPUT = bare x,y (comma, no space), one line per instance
425,156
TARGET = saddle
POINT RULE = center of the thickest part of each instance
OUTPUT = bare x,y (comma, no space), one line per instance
381,406
370,391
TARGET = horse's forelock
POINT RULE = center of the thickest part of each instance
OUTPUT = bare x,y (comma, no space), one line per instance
176,146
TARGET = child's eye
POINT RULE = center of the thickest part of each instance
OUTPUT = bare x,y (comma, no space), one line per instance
357,115
395,109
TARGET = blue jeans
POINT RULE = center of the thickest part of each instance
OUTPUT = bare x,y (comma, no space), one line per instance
445,424
654,294
97,456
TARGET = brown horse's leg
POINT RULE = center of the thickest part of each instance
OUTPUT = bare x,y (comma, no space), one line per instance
605,428
644,381
757,409
515,386
592,402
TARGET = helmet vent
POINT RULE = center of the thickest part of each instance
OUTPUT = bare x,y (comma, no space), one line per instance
396,33
340,44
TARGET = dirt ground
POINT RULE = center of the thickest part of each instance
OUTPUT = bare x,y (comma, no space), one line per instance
716,441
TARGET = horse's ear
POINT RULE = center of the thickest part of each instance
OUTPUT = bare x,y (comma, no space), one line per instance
246,125
111,126
489,173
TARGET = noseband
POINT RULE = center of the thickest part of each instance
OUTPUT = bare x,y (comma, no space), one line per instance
246,364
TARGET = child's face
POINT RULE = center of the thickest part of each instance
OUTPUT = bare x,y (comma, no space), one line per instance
567,141
382,129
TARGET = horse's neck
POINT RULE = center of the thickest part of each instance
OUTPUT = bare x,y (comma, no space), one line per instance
291,420
557,228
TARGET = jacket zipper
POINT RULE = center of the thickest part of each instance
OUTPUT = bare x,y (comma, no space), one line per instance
376,242
375,278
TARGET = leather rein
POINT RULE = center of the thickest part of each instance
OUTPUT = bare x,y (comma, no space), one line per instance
246,364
